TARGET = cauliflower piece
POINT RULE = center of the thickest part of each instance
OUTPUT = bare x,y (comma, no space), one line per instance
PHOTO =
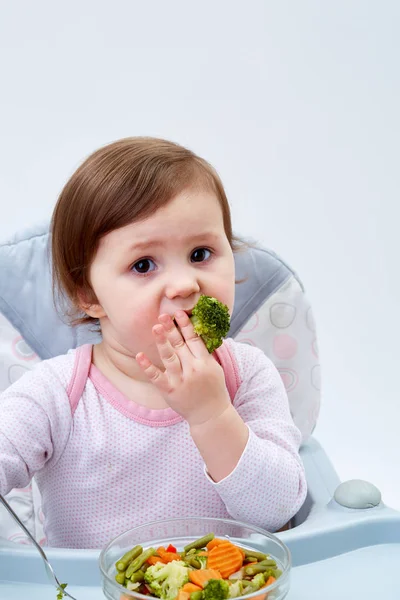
165,580
236,589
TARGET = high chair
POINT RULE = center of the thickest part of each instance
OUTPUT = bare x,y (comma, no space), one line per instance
272,312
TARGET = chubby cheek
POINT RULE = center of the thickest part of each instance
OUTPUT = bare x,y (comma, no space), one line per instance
224,290
228,299
139,323
228,292
133,324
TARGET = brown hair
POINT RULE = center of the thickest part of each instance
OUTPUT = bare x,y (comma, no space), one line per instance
125,181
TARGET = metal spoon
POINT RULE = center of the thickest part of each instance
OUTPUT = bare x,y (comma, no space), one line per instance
49,569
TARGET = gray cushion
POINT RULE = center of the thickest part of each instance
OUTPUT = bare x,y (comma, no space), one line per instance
26,293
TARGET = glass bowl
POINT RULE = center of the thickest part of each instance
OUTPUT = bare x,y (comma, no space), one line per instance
179,533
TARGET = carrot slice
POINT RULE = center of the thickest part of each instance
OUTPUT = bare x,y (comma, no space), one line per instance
201,576
214,542
170,556
182,595
225,558
152,560
167,556
191,587
270,580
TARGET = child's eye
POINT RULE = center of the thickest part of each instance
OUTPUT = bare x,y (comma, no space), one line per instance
143,266
200,255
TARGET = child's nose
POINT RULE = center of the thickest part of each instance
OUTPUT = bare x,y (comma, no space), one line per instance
182,284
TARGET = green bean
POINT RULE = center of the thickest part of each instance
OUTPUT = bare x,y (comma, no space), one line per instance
128,557
193,562
254,569
258,568
196,595
200,543
139,561
254,554
277,573
251,559
268,562
137,576
120,578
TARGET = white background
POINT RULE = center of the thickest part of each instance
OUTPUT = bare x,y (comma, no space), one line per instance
295,103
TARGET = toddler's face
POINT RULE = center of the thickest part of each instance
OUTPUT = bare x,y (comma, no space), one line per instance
160,265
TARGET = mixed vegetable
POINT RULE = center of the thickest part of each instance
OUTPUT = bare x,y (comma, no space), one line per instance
207,569
211,321
61,593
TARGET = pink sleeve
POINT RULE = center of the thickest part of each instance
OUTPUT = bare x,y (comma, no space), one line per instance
268,485
35,419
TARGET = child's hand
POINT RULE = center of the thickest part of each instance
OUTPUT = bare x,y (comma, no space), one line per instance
193,383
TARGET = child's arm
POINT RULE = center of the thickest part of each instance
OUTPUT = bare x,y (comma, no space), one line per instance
267,486
250,450
34,426
221,442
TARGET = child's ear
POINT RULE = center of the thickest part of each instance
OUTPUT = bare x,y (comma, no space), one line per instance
94,310
90,306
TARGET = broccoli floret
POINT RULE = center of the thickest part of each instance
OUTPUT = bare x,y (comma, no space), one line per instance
211,321
165,580
216,589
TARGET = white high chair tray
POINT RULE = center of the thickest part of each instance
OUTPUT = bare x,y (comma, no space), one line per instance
345,554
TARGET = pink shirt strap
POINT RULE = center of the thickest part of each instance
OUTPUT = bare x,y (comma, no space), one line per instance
228,362
83,361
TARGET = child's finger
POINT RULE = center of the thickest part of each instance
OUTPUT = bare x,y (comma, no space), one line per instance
154,374
175,338
167,354
193,341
